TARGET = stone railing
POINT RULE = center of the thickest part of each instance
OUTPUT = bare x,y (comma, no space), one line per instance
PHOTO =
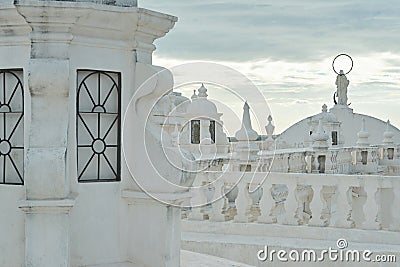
328,200
348,160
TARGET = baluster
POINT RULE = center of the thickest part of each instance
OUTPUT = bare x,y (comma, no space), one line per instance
371,207
198,200
308,159
395,209
219,201
291,205
267,203
342,216
303,159
243,202
316,206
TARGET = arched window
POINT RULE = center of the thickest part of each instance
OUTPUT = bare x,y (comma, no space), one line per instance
11,127
98,126
195,131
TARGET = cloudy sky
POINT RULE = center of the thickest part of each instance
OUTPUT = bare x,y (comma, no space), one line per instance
286,48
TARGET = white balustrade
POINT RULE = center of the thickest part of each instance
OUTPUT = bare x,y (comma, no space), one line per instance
327,198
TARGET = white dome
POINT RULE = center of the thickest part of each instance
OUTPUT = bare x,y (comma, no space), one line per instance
200,105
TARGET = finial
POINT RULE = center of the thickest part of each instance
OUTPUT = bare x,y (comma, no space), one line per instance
363,135
246,105
388,135
269,128
194,96
324,108
320,135
202,91
246,132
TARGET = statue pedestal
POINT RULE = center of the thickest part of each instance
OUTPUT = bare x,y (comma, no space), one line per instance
341,110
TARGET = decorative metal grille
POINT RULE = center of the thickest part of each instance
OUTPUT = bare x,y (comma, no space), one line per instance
98,126
212,131
11,127
195,131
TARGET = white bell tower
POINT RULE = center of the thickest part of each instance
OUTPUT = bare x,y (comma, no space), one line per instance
74,66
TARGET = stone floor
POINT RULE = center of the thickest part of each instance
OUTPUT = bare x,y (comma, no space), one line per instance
192,259
188,259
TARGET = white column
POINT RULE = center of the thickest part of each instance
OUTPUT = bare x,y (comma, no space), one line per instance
47,184
316,206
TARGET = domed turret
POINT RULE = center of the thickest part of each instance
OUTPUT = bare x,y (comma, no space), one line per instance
201,105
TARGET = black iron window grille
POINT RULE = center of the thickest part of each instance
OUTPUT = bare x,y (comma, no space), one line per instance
195,131
212,131
98,126
11,127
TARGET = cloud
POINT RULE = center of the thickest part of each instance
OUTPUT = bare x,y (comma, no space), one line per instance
294,31
294,90
286,48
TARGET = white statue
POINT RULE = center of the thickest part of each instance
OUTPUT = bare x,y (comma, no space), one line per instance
341,84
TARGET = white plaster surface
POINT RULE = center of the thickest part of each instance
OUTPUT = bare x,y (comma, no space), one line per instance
241,241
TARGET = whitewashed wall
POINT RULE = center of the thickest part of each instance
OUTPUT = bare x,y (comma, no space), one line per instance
99,219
